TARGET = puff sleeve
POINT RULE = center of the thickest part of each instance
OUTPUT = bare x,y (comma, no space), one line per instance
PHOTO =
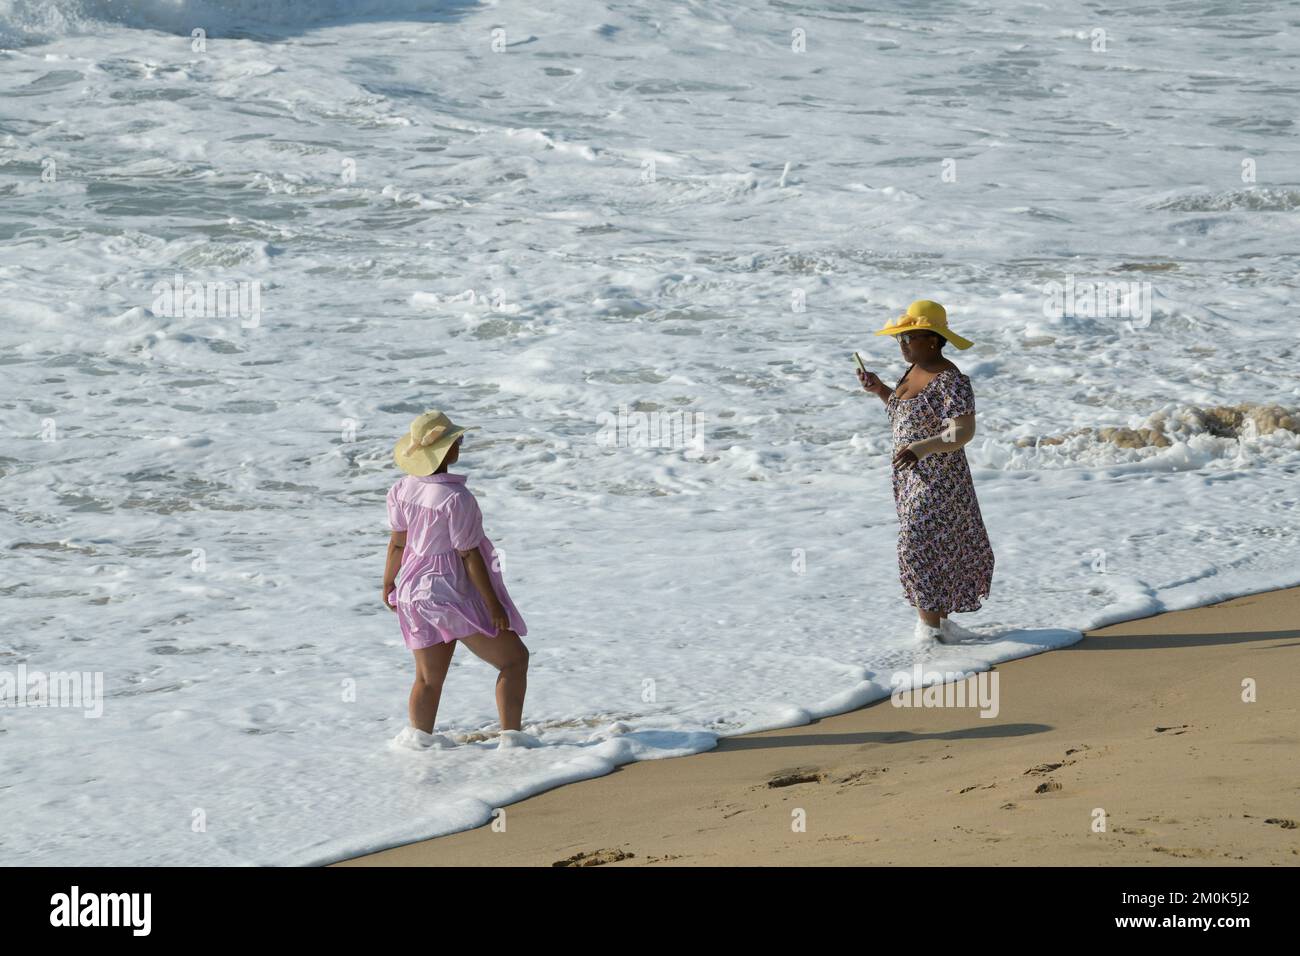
464,521
958,414
958,398
396,513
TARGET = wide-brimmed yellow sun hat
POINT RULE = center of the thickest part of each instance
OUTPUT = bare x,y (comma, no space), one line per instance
924,315
422,449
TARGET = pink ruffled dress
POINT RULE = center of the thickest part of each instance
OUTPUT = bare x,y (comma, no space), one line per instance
437,602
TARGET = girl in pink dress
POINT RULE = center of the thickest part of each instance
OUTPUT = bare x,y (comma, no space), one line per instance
443,579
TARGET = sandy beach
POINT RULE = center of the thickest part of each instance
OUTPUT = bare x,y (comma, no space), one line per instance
1141,728
634,249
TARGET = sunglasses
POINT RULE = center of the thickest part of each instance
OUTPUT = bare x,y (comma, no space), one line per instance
906,337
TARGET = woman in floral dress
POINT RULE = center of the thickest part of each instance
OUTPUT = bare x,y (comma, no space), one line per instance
945,561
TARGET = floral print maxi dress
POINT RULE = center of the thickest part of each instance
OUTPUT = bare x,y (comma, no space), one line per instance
944,557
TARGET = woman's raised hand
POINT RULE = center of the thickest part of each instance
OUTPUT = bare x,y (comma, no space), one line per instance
870,382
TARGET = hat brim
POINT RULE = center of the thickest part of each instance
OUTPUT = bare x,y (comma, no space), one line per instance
425,460
948,334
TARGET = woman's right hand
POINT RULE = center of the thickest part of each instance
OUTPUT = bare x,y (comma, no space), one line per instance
870,382
500,620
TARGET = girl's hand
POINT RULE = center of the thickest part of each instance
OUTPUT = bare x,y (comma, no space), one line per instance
500,620
387,590
905,458
870,382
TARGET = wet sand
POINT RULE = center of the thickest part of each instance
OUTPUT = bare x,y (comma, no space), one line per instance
1132,747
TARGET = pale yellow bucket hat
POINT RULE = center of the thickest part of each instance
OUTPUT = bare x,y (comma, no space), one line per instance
924,315
422,449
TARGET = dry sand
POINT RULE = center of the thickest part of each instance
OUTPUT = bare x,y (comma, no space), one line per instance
1143,721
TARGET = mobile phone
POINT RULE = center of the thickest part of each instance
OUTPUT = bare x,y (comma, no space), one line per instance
858,358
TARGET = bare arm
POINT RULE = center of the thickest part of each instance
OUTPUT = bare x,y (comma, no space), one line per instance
961,431
478,574
396,544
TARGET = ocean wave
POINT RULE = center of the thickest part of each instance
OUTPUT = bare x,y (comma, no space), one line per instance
1172,425
1250,200
26,22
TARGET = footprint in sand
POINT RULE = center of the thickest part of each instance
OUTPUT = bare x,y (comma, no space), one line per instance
797,775
1183,852
859,777
1047,767
595,858
1047,787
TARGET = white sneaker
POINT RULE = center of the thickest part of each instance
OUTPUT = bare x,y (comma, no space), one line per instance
953,633
516,738
416,739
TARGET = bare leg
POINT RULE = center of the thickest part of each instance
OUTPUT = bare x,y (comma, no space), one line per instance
930,617
431,665
507,653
